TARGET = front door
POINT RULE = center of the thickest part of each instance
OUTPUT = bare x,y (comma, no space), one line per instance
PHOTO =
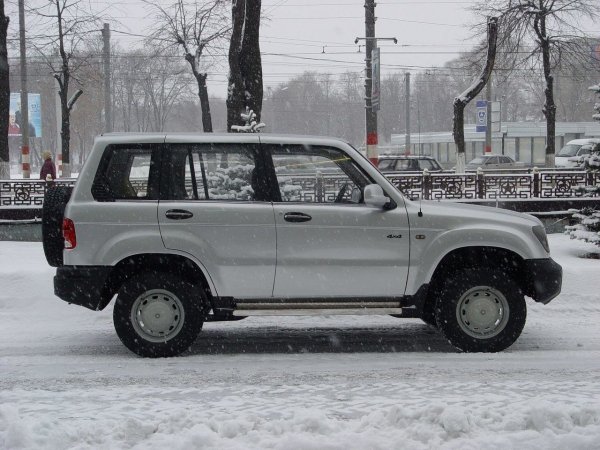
215,208
329,243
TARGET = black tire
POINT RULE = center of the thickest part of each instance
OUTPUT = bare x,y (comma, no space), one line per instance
53,211
480,310
178,305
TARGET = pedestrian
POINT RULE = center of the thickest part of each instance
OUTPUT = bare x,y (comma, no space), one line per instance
48,168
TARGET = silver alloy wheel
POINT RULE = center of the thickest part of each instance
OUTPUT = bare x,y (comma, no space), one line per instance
482,312
157,315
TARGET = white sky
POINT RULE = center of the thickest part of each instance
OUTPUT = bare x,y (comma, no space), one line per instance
294,33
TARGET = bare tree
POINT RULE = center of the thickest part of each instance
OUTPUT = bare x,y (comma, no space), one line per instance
198,29
245,66
540,32
67,24
463,99
4,96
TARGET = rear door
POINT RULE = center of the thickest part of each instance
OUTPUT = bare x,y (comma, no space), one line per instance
329,243
214,207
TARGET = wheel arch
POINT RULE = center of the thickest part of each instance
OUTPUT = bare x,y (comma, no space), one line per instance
170,263
475,257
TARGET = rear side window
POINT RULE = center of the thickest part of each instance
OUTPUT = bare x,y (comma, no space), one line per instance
223,172
126,172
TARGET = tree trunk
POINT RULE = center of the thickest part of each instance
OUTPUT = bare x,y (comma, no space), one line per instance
463,99
4,97
235,90
65,134
549,105
250,61
204,103
245,66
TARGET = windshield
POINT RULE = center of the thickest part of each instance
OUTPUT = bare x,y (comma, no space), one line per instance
569,150
480,160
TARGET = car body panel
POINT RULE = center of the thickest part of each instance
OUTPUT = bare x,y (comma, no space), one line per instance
234,240
344,250
240,245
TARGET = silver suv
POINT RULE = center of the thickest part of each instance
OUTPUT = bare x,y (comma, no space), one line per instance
189,228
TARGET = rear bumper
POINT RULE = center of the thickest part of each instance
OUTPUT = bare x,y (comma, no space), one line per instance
81,285
544,279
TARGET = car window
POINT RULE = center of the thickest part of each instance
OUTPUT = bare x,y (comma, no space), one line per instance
427,164
505,160
569,150
224,172
124,174
408,164
584,150
386,165
312,174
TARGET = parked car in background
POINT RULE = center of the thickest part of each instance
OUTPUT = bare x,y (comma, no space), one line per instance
573,153
408,163
494,162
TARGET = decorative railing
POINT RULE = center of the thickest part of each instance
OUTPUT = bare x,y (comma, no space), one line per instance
551,184
497,186
26,193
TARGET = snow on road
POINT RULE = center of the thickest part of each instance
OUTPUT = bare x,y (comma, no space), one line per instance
296,383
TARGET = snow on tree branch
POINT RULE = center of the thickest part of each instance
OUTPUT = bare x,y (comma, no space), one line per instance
251,125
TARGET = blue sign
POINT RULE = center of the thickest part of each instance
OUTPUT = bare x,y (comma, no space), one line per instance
481,123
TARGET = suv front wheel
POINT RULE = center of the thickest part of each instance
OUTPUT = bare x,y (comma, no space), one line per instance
481,310
158,314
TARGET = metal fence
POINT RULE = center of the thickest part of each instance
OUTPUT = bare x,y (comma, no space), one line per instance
554,184
26,193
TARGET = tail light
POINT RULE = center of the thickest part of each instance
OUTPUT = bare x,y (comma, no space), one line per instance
68,230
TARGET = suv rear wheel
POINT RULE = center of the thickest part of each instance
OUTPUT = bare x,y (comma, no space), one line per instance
158,314
481,310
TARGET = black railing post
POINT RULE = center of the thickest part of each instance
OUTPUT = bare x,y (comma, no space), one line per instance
426,184
537,188
479,183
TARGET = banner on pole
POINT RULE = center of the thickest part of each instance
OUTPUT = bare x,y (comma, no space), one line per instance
376,79
15,117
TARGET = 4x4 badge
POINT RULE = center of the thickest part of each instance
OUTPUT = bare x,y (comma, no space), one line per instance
394,236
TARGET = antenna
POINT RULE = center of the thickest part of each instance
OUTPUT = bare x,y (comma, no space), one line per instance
425,175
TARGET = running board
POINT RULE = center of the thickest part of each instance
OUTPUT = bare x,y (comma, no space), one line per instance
312,308
316,312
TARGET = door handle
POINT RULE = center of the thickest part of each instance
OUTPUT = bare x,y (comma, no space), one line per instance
178,214
296,217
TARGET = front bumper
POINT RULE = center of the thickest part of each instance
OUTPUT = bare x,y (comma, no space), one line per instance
82,285
543,279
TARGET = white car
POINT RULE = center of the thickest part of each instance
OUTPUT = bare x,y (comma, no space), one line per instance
185,228
573,153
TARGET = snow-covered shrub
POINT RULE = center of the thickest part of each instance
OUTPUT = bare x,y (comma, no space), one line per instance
587,227
233,183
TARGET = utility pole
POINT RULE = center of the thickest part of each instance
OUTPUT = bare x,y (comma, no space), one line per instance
488,128
407,96
371,116
107,100
24,97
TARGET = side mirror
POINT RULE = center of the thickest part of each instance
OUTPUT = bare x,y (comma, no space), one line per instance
374,196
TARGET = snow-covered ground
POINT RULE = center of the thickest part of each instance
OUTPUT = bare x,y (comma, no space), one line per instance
296,383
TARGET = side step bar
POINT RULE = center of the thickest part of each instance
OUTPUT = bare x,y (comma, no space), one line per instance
314,307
